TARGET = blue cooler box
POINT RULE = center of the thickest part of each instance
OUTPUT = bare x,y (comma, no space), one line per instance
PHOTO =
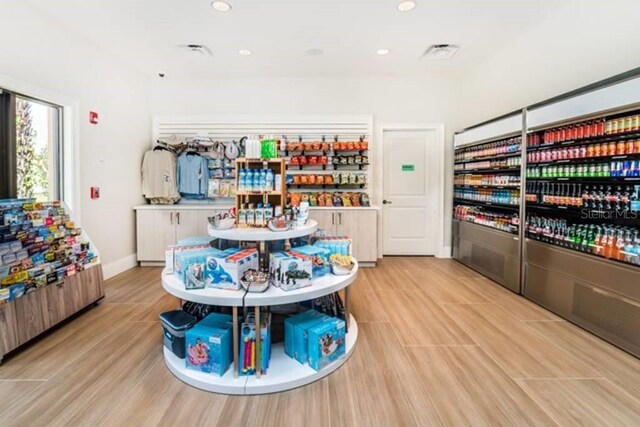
175,325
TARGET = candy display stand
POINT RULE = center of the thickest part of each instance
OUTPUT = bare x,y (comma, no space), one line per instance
284,373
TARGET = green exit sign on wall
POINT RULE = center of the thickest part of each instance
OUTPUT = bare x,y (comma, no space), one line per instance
408,168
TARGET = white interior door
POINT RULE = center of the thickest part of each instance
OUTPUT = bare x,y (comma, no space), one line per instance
410,192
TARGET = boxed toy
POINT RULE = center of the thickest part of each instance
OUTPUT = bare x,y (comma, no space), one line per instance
326,343
296,272
295,333
247,356
209,347
319,259
187,244
275,272
335,245
190,266
224,270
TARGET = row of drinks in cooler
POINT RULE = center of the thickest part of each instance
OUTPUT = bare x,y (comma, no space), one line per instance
507,146
598,197
490,164
487,179
479,215
503,197
608,241
617,169
615,148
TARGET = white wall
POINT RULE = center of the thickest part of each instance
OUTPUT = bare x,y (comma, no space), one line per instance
391,101
42,57
586,41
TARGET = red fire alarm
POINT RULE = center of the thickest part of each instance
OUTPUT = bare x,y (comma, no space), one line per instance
95,193
93,117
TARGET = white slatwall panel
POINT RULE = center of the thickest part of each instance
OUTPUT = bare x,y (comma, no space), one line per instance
225,128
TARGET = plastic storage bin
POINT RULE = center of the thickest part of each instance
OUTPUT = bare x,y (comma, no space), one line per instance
175,325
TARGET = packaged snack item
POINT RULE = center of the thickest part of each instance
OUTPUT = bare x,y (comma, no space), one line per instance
313,200
305,198
355,199
337,200
320,180
296,198
328,179
311,179
353,178
322,199
297,179
344,178
346,200
364,199
295,160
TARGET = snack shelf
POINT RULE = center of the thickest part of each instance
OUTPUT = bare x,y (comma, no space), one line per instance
332,153
489,204
489,170
360,166
497,157
323,186
263,234
321,286
284,372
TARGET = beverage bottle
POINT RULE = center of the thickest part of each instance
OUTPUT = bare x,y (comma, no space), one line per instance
269,180
248,183
263,180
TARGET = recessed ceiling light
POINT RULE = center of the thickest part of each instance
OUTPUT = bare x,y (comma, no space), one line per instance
383,51
314,52
244,52
406,6
221,6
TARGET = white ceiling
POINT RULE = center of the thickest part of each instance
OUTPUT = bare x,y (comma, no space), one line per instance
146,33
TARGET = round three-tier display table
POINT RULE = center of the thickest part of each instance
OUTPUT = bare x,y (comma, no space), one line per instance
284,372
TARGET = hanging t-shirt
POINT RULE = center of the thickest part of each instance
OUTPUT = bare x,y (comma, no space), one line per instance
193,176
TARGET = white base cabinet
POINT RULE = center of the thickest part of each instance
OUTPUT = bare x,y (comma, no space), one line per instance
159,227
359,224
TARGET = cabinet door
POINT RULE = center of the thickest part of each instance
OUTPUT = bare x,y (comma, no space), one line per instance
325,218
192,222
362,227
156,229
82,289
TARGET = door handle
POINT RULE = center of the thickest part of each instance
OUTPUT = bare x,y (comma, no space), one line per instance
333,218
340,217
386,202
178,217
171,218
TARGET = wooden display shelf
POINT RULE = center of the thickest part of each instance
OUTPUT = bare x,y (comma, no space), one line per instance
27,317
275,198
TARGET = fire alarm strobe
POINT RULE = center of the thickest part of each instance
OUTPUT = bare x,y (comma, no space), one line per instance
93,117
95,193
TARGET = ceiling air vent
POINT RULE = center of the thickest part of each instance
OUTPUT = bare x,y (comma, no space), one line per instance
441,51
195,50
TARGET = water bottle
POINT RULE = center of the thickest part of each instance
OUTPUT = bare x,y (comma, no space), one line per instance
242,180
248,180
263,180
269,180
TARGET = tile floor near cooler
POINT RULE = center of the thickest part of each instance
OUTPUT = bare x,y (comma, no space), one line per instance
438,345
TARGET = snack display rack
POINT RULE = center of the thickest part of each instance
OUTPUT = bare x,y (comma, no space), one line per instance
284,372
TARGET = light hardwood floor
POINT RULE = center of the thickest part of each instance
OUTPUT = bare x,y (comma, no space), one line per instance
439,345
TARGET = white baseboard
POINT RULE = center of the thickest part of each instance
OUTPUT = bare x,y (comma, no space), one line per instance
446,252
116,267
